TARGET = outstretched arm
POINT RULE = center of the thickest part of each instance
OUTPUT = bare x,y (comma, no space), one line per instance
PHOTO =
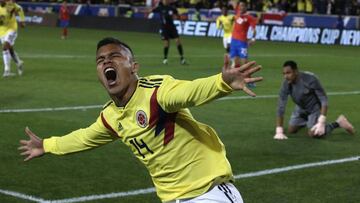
79,140
176,94
20,12
33,147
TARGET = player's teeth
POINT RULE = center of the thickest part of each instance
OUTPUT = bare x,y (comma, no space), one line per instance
109,69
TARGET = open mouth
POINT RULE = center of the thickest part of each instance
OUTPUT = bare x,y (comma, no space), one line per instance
110,75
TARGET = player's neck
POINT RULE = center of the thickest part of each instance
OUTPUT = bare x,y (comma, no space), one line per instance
296,79
123,98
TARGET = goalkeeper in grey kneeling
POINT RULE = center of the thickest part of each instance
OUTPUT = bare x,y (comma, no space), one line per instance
311,105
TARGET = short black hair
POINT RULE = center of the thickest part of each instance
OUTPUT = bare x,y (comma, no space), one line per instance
243,1
111,40
291,64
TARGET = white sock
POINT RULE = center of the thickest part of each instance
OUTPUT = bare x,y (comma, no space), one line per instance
7,60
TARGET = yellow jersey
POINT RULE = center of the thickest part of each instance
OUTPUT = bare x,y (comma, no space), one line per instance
8,14
184,157
226,23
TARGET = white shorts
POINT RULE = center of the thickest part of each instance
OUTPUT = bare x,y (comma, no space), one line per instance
223,193
10,37
226,41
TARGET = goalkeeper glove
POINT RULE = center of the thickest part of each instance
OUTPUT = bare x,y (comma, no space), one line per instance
280,134
319,128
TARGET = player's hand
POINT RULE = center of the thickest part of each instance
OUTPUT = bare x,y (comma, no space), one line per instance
33,147
251,41
22,24
238,77
319,128
279,135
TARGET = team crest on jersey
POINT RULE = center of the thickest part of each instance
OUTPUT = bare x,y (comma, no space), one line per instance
241,20
141,118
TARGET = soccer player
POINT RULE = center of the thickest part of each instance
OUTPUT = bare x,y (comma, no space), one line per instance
225,22
185,158
168,29
240,42
64,16
8,33
311,105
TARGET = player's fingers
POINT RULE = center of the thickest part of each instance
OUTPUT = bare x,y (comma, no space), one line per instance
249,92
313,128
279,138
246,66
28,158
24,142
252,70
250,80
226,61
23,148
30,133
316,132
27,152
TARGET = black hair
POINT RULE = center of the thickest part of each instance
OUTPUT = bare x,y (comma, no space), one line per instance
243,1
291,64
111,40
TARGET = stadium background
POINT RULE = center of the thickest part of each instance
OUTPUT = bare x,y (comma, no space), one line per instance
61,73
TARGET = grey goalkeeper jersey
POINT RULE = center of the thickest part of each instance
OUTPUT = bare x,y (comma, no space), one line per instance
306,92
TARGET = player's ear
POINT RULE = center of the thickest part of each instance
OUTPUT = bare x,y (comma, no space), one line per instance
135,67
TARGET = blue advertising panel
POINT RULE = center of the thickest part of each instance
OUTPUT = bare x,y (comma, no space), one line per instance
312,35
75,9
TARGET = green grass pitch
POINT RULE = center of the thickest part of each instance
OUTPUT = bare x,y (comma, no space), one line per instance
62,73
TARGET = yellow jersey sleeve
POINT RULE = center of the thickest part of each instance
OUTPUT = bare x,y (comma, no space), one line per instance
93,136
218,21
174,95
20,12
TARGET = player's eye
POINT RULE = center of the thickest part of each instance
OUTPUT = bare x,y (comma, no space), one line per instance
115,55
99,60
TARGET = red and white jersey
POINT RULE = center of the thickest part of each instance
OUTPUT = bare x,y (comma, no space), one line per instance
64,13
241,26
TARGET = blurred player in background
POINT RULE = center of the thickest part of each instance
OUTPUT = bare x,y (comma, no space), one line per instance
8,33
64,17
311,105
185,158
168,29
240,42
225,22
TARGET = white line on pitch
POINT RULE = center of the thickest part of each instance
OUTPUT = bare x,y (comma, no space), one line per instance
296,167
65,108
106,196
152,190
276,96
240,176
99,106
21,196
